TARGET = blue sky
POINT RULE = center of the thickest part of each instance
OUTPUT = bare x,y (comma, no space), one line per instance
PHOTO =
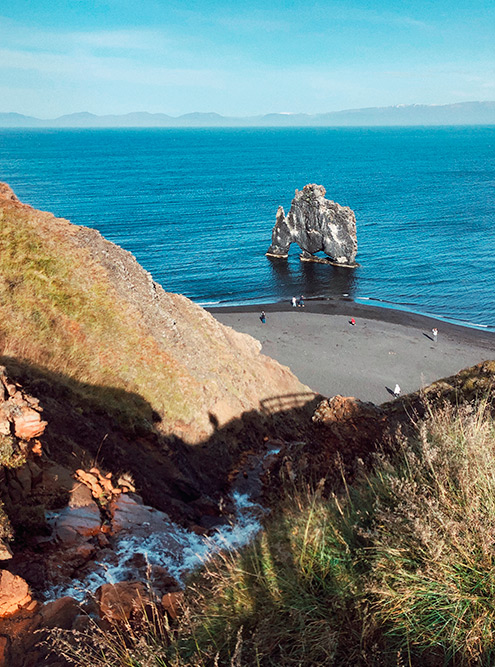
117,56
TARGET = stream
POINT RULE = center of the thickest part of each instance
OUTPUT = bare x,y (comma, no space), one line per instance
149,546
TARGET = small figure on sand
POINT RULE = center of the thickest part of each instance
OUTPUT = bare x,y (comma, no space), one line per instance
396,391
293,301
352,321
300,303
434,331
263,317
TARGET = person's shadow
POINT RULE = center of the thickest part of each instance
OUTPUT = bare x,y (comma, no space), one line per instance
390,391
428,336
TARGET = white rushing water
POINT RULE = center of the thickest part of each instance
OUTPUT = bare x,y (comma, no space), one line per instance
163,543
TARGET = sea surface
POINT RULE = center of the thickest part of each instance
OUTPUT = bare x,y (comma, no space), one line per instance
197,206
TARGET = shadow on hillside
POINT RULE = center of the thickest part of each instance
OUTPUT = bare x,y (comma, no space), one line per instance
118,430
89,424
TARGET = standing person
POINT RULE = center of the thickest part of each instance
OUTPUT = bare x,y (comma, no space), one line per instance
352,321
293,301
434,331
301,301
397,391
263,317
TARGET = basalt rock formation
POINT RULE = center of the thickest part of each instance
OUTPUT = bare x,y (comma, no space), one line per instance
316,224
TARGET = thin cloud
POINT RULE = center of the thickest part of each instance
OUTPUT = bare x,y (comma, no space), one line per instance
89,67
119,39
375,17
28,39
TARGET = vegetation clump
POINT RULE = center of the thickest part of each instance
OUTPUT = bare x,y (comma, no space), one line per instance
398,569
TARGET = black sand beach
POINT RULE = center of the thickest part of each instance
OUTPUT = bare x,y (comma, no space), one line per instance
366,360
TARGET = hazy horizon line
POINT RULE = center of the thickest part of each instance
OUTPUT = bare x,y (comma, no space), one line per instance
260,114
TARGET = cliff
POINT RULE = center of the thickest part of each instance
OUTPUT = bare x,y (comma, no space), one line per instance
132,376
111,386
78,304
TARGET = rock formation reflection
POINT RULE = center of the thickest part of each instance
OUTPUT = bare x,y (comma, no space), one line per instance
293,277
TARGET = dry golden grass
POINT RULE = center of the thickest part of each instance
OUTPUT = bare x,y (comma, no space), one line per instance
59,311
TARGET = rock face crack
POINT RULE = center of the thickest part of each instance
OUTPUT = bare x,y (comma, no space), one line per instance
316,224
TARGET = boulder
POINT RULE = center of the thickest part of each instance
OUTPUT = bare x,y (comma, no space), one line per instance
74,524
14,593
60,613
28,424
129,514
171,602
80,496
316,224
119,602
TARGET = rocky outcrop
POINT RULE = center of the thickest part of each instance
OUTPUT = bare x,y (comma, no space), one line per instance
316,224
350,420
349,431
14,594
20,420
20,427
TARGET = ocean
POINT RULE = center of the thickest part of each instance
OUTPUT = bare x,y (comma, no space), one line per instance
197,206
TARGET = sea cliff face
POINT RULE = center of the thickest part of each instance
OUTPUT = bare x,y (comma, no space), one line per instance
192,370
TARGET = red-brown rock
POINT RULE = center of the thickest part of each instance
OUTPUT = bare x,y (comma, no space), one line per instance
28,424
172,603
121,601
60,613
14,593
129,514
355,423
76,523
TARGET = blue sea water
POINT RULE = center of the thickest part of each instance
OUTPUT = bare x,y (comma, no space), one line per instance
197,206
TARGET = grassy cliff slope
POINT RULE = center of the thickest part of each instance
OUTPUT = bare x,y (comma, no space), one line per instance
78,305
128,374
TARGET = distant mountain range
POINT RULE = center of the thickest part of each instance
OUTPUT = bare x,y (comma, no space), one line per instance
462,113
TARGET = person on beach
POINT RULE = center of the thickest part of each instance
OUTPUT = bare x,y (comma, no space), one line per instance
300,303
352,321
293,301
263,317
434,331
396,391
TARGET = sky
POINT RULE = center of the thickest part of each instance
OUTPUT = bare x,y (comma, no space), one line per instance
242,58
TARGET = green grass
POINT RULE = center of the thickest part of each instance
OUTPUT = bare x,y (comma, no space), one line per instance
396,570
